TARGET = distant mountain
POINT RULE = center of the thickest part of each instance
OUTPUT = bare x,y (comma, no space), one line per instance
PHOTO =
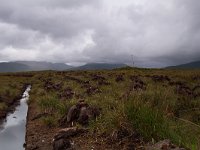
191,65
42,65
99,66
19,66
31,66
13,67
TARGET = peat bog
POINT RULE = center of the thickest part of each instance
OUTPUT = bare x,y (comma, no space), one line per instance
126,108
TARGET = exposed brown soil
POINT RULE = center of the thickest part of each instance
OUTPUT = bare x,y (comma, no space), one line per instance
38,136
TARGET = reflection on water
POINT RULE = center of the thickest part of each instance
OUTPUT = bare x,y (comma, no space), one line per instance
12,132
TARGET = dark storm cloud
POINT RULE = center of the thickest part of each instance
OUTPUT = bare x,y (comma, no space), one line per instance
157,33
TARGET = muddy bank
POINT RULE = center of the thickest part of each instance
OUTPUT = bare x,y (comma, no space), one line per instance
38,136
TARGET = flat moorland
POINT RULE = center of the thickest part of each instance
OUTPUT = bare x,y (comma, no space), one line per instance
111,109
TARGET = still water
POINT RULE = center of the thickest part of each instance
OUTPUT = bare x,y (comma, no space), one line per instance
13,129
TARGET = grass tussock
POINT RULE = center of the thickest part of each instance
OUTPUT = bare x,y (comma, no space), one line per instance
51,105
153,124
3,106
49,121
147,121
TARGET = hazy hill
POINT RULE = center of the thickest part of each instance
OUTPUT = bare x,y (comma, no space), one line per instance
13,67
31,66
39,65
98,66
191,65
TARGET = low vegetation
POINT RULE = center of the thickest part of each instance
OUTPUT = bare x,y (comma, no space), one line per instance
11,88
156,104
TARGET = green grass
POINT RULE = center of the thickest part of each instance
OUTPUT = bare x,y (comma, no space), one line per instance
147,121
152,123
158,112
49,121
10,89
3,106
51,104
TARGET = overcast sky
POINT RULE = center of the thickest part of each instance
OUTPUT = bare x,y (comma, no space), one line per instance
156,32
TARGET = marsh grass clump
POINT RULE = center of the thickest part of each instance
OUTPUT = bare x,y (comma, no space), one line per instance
108,121
196,117
149,122
3,106
152,123
51,104
49,121
10,93
55,109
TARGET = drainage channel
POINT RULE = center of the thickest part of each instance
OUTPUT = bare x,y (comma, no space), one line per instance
13,129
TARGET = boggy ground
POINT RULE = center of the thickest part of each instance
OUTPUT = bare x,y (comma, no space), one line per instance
117,109
11,89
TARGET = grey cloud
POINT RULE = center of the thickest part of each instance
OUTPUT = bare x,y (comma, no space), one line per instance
12,35
66,21
157,33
